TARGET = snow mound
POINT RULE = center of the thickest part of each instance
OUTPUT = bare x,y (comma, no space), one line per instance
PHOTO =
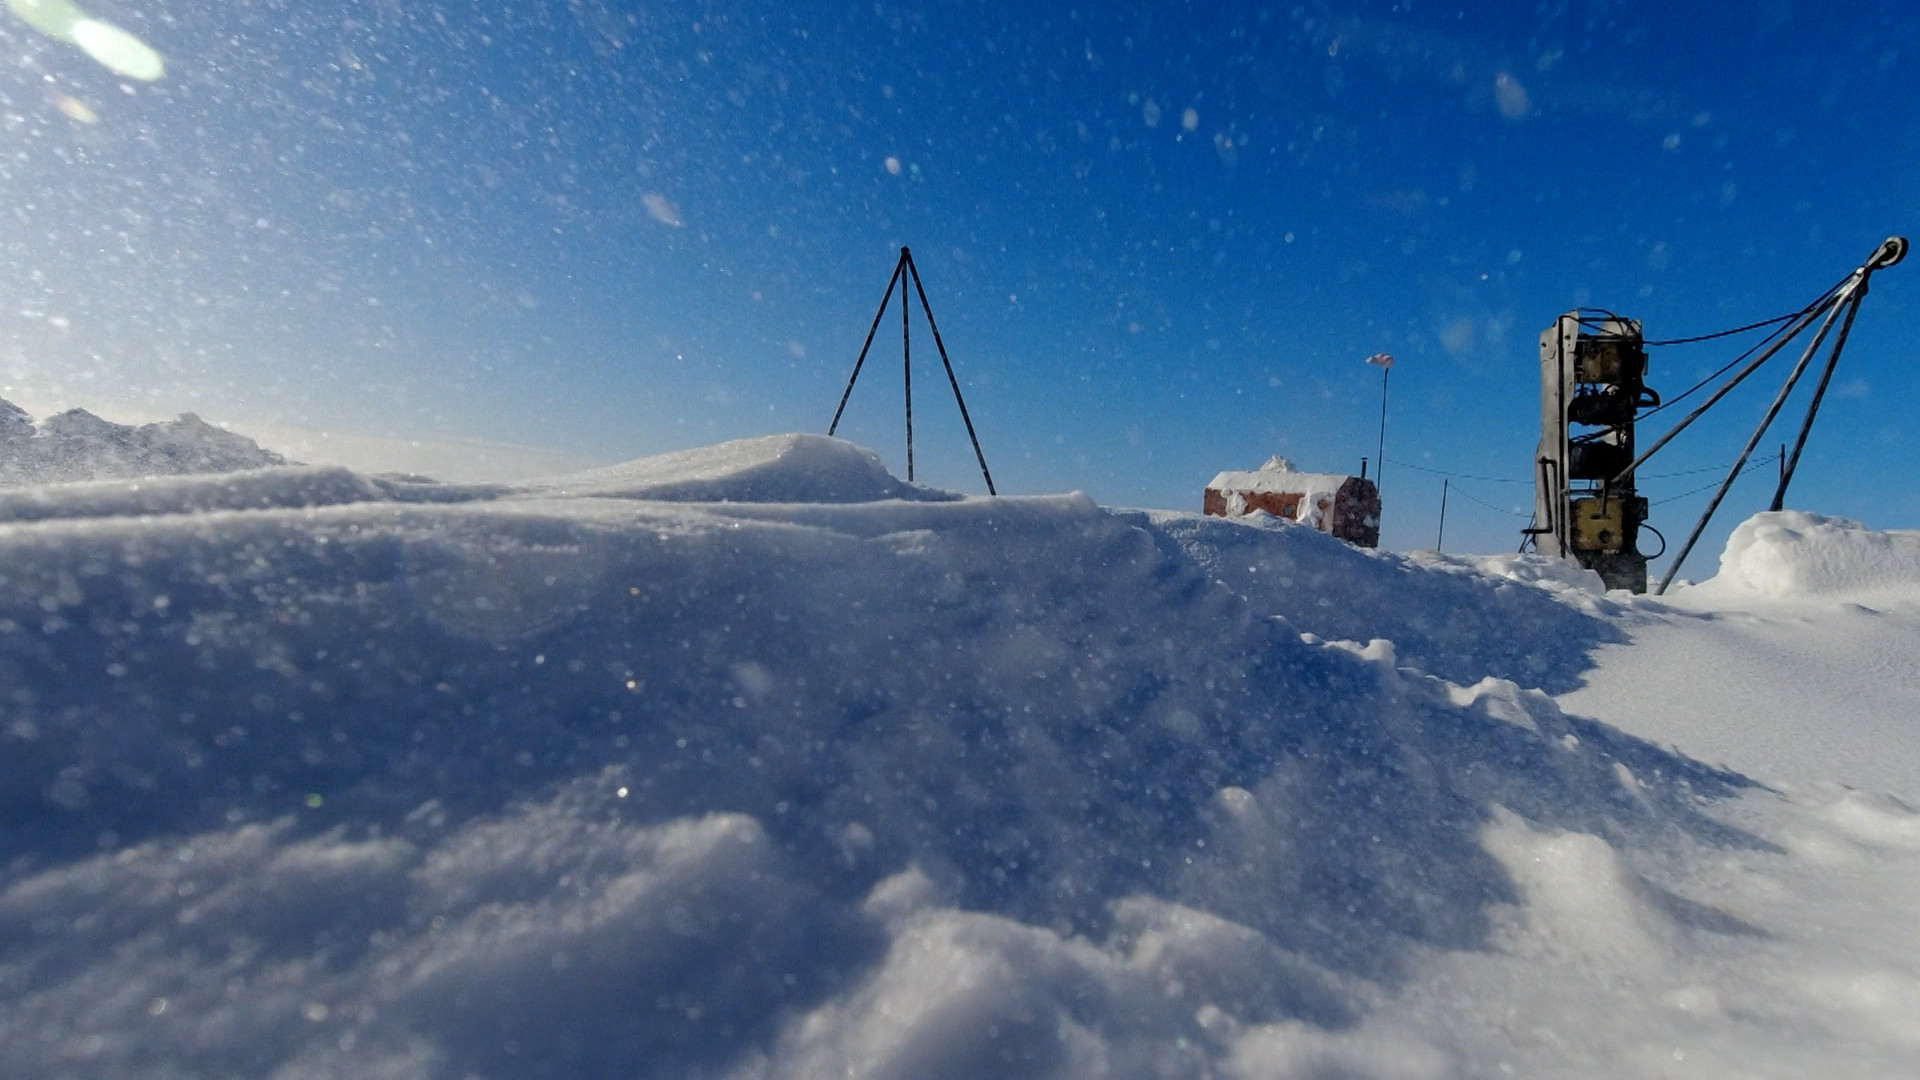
1791,554
1526,618
583,787
292,486
794,468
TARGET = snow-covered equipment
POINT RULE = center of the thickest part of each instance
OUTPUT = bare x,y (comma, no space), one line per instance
1346,507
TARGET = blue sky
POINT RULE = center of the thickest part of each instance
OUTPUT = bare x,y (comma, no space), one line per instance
1160,239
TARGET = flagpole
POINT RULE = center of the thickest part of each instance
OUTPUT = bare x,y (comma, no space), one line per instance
1380,461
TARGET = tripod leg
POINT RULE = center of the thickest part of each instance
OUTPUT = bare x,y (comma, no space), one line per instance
1792,462
868,344
906,360
951,380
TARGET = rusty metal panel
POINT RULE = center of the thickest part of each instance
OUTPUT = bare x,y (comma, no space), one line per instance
1356,513
1281,504
1352,513
1599,524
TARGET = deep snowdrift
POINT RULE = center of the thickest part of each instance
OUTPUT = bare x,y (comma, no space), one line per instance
841,777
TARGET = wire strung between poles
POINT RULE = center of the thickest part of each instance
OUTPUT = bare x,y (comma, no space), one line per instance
1818,303
1777,319
1735,362
1827,306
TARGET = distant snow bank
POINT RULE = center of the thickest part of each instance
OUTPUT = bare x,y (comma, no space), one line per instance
77,445
1789,554
779,469
792,468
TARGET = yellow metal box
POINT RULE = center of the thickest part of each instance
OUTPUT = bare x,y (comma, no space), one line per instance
1599,524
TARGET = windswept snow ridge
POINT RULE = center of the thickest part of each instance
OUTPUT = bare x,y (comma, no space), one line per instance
1523,618
770,469
808,773
77,445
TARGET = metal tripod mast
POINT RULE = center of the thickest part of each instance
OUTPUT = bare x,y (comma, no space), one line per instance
902,270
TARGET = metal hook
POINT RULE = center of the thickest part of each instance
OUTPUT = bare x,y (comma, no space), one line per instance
1892,250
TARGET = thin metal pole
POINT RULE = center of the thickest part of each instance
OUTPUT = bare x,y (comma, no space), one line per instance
1380,462
1733,474
906,361
868,344
1440,540
951,380
1789,464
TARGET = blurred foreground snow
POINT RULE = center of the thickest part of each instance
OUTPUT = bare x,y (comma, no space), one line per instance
756,761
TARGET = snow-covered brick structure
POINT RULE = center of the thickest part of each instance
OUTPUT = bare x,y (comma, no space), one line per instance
1347,507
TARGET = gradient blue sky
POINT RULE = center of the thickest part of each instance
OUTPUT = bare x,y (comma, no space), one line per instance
1161,239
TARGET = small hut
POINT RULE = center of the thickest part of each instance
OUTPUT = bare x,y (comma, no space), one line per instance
1347,507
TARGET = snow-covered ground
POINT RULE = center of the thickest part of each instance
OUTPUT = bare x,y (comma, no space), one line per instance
757,762
1798,663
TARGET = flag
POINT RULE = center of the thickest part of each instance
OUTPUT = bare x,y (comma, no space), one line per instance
1381,359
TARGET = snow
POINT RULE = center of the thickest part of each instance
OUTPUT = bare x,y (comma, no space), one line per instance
773,468
754,761
1791,554
1279,475
1809,623
77,445
455,460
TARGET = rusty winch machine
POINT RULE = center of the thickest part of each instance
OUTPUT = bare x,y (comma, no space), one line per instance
1593,391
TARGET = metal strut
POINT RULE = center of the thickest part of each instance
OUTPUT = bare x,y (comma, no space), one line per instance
945,363
903,269
1847,296
868,344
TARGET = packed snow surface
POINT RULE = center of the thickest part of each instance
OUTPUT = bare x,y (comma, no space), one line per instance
755,761
1797,663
